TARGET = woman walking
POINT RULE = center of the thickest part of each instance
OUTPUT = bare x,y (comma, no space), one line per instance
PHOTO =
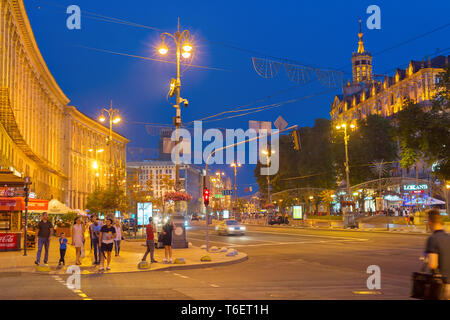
118,237
78,238
107,236
167,240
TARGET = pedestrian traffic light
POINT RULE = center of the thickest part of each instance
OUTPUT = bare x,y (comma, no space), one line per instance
206,196
296,138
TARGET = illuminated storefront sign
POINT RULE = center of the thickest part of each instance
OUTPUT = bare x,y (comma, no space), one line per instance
411,187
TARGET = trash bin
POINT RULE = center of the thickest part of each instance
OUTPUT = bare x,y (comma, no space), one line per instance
349,220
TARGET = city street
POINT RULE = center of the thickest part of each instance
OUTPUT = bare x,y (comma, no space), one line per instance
283,264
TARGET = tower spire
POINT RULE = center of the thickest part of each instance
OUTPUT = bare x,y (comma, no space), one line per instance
360,42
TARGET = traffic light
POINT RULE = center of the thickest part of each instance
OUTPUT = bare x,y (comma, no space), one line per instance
296,138
206,196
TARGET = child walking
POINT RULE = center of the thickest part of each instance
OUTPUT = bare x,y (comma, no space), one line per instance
62,248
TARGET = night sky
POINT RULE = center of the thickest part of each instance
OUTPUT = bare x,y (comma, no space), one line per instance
227,34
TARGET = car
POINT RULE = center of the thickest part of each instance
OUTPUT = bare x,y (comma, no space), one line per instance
230,227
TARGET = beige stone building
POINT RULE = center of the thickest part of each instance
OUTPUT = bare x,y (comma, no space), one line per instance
384,95
40,135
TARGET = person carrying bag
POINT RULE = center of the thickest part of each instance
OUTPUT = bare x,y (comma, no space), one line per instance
436,284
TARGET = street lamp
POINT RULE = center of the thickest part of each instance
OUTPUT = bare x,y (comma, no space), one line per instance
95,163
268,153
347,169
184,49
235,166
447,189
114,118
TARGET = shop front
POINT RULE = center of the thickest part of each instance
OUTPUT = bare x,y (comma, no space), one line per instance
12,210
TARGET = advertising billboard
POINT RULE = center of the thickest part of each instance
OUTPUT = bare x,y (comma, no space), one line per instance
144,211
297,212
226,214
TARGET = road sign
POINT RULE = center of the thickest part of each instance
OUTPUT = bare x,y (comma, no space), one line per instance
227,192
280,123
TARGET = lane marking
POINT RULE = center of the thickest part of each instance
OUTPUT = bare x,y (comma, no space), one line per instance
367,292
301,235
214,285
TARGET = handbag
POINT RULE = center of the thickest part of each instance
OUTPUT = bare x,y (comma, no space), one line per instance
428,286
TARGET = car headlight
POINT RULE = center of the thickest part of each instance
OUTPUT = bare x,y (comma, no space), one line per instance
230,229
217,228
242,228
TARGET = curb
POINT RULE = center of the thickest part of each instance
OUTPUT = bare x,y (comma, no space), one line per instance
419,233
170,266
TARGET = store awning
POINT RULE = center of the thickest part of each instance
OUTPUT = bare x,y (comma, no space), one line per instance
8,179
57,207
81,212
18,204
426,202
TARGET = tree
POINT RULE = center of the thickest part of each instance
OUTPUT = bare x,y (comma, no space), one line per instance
313,163
372,140
424,131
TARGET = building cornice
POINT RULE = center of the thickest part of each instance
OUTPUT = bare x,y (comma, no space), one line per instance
93,125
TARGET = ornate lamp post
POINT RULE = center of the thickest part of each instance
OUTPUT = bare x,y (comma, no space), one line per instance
182,40
235,166
114,118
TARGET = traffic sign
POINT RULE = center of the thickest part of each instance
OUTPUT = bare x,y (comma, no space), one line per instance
227,192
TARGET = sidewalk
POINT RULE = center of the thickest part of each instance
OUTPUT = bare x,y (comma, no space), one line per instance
131,254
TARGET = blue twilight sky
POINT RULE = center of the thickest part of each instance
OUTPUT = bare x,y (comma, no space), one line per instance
314,33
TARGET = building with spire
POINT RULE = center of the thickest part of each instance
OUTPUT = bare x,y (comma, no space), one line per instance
384,95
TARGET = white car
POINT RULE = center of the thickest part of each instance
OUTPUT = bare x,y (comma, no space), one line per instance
229,227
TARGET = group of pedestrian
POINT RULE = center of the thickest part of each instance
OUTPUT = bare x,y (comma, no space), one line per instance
104,236
166,239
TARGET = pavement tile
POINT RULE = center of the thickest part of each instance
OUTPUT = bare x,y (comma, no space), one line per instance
131,254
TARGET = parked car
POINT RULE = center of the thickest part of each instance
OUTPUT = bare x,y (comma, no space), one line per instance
277,220
230,227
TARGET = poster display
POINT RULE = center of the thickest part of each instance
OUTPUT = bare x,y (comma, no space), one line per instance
144,211
297,212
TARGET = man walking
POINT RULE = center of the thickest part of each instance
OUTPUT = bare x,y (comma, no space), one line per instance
438,248
150,241
94,231
45,230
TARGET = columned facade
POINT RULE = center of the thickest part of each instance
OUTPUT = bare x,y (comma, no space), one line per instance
40,135
89,159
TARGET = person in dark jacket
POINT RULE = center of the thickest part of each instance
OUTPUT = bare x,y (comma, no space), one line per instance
167,240
438,248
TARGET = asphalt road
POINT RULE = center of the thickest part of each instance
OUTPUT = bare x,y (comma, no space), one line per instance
283,264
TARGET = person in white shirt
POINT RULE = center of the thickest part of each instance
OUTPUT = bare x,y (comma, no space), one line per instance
118,238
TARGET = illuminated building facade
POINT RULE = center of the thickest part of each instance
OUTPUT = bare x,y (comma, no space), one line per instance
40,135
366,95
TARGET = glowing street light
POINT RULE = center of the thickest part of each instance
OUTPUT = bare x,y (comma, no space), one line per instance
114,118
347,169
183,42
235,166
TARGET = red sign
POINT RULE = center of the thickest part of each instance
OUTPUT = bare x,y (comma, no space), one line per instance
8,241
417,191
36,204
18,204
